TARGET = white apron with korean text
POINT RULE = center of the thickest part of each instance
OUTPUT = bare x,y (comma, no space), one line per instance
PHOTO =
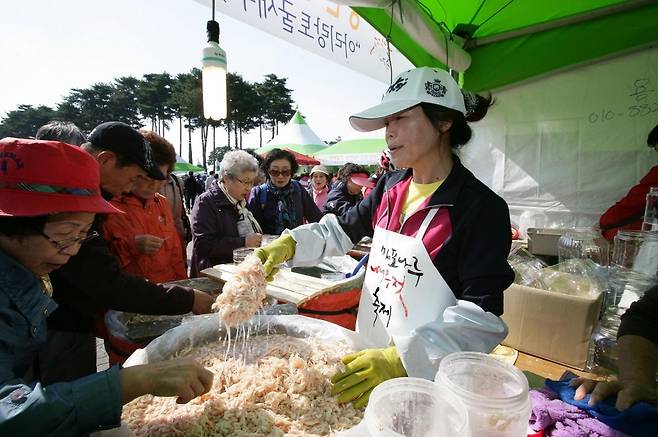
402,289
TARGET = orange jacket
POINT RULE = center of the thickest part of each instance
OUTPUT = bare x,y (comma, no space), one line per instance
152,217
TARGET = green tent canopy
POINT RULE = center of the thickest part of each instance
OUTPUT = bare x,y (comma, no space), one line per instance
184,166
501,42
365,151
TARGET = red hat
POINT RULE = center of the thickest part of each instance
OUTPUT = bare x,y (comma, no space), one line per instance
362,179
40,177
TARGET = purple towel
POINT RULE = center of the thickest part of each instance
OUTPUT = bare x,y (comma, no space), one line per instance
559,419
640,420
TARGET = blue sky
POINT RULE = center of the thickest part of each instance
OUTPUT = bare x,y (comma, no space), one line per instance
48,47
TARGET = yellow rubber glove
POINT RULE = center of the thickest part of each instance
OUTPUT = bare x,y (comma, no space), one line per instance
277,252
364,371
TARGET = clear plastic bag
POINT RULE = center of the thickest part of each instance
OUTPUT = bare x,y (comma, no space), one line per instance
527,268
198,330
581,277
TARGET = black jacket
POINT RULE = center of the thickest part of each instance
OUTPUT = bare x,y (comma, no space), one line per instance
469,239
191,186
339,200
92,281
265,213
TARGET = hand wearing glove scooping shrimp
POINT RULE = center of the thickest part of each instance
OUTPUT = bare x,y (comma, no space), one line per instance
364,370
276,253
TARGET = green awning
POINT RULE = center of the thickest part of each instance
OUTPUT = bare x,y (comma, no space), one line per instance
186,166
364,151
513,40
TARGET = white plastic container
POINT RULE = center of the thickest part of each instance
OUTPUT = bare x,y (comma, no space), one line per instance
494,393
410,407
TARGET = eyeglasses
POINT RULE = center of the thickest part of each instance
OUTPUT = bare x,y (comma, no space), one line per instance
277,173
68,242
245,183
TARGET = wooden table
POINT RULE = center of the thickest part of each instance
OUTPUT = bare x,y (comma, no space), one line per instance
289,286
548,369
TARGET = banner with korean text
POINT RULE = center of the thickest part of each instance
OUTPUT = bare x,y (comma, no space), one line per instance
332,31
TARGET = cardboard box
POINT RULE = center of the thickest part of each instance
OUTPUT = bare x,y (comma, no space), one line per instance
550,325
544,241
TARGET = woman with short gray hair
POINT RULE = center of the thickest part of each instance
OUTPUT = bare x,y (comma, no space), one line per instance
236,162
221,221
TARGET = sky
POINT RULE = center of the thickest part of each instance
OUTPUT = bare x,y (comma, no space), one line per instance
48,47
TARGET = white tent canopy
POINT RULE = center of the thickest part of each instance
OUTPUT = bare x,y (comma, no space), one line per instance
296,135
562,149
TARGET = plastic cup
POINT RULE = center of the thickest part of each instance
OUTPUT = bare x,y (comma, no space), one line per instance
413,407
241,253
267,239
494,393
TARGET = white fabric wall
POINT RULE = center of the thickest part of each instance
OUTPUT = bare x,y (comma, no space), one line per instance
544,147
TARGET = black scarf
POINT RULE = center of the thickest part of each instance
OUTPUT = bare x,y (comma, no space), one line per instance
285,216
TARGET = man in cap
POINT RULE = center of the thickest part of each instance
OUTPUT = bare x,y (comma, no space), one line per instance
93,281
123,156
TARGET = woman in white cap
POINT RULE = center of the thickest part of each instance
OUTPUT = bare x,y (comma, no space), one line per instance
49,195
319,188
438,264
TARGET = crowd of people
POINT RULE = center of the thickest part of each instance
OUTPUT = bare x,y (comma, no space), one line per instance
99,222
58,274
110,238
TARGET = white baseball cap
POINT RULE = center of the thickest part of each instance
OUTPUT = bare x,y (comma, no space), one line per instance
320,169
420,85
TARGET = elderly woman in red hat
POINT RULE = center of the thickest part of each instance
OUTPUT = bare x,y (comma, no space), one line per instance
49,195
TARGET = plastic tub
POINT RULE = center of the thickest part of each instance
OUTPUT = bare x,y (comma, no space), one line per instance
241,253
413,407
494,393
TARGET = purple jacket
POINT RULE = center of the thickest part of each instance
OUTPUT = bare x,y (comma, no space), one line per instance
305,208
214,230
